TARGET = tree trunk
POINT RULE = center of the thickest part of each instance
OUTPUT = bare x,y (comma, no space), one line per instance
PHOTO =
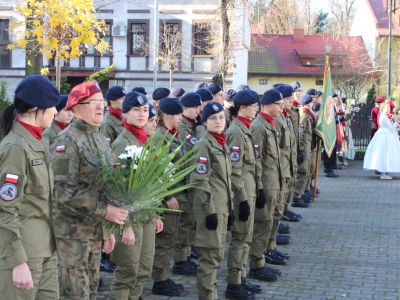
171,79
34,59
224,40
58,70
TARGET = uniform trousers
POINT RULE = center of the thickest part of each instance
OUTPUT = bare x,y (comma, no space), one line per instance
134,263
291,187
45,280
312,169
78,268
278,213
210,248
263,219
303,171
239,247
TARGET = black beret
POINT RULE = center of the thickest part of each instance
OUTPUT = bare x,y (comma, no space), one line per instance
277,84
115,92
152,111
205,94
139,89
171,106
160,93
317,106
305,99
285,89
200,85
242,87
246,97
63,102
271,96
295,85
319,93
229,94
191,99
312,92
38,91
334,94
211,108
214,88
133,99
177,92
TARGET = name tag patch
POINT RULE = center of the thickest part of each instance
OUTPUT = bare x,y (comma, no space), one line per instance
36,162
8,192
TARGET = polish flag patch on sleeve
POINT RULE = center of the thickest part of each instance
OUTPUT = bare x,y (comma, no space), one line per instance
189,137
108,140
203,159
60,148
11,178
235,148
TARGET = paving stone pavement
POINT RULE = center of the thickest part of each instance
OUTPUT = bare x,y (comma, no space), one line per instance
345,247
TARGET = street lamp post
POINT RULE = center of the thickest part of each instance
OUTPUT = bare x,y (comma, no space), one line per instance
389,85
155,37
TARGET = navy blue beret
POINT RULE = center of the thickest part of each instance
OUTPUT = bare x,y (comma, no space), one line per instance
271,96
319,93
139,89
200,85
285,89
63,102
133,99
277,84
334,94
152,111
171,106
160,93
242,87
229,94
295,85
246,97
115,92
177,92
214,88
317,106
191,100
305,99
38,91
211,108
205,94
312,92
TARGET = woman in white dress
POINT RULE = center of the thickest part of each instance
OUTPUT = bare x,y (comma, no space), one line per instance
383,151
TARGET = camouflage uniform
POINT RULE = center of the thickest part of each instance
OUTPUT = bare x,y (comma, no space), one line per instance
134,263
111,127
26,231
50,133
80,207
166,240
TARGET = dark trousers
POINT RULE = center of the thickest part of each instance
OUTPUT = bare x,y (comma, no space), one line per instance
329,162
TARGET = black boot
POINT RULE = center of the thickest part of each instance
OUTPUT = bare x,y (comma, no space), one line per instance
254,288
271,257
185,268
165,288
236,291
263,274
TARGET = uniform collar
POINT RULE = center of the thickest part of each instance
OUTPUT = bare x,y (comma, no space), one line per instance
266,123
214,142
34,143
130,137
241,125
85,127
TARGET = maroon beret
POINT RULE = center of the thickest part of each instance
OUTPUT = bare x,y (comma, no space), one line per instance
81,92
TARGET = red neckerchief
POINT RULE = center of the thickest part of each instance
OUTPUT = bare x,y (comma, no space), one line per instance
189,119
116,113
219,137
201,112
137,132
296,103
245,121
268,118
34,130
173,131
61,125
308,112
286,112
155,104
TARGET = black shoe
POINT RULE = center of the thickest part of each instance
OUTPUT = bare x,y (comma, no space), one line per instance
254,288
271,257
107,266
331,174
336,167
312,188
283,229
285,255
377,173
292,213
165,288
101,283
177,285
306,199
192,263
184,268
236,291
299,203
288,218
272,270
193,253
262,274
282,239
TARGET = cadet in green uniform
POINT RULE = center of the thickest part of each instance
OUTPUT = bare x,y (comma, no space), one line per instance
188,134
80,205
28,259
212,204
169,116
151,126
245,188
265,137
60,122
112,123
158,94
206,97
307,125
218,94
134,250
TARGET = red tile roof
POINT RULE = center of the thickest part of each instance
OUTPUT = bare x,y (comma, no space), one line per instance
381,16
280,55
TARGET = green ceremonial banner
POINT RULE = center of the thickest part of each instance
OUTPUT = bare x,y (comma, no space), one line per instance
326,125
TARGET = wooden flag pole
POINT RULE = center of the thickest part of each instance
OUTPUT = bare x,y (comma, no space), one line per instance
316,169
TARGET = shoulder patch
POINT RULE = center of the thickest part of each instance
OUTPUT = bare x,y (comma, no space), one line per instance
301,128
108,140
235,156
11,178
8,192
235,148
193,140
256,151
201,168
203,159
60,148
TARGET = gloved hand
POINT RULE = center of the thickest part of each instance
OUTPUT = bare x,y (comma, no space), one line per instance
231,218
302,157
261,199
198,122
212,222
244,211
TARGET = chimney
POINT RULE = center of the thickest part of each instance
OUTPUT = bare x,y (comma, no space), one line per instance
298,35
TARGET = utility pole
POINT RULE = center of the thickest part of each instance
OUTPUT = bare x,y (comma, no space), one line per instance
155,38
389,86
